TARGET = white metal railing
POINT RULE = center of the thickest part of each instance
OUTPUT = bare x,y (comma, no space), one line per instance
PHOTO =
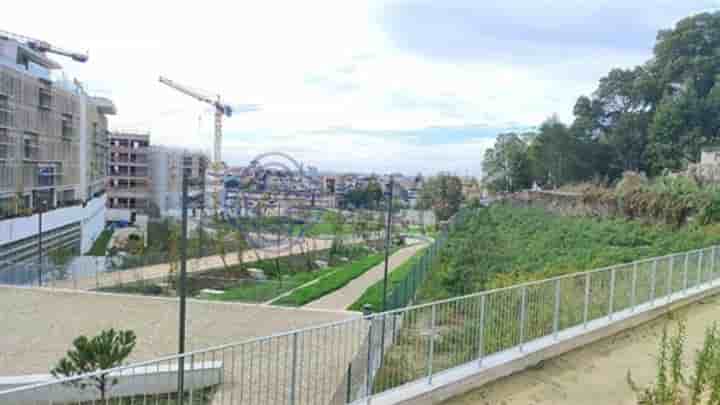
376,355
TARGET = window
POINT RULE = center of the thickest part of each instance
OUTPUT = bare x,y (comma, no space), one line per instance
5,116
30,148
6,146
46,176
44,98
67,126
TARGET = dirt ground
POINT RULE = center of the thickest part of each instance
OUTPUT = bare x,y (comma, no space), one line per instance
597,374
39,325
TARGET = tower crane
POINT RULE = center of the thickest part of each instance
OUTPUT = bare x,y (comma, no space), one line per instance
220,108
44,46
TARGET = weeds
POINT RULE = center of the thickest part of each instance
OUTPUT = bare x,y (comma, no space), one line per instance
671,387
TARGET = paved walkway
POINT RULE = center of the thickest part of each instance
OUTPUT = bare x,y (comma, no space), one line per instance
346,296
105,279
597,374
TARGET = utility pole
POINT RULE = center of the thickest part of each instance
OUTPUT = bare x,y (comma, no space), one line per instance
181,291
388,225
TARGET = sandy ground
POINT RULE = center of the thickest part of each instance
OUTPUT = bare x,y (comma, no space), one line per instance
346,296
39,325
597,374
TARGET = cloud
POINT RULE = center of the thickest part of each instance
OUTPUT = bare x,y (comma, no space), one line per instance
411,86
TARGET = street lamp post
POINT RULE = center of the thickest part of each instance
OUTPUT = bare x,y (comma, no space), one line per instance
43,206
181,291
388,225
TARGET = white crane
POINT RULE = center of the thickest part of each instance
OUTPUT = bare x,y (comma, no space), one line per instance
221,109
43,46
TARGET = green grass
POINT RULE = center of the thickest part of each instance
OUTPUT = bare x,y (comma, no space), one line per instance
502,245
337,278
373,295
265,291
100,246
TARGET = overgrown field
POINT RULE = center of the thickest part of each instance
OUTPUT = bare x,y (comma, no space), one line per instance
502,245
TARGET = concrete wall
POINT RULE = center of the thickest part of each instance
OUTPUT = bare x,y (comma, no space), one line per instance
93,222
92,217
153,379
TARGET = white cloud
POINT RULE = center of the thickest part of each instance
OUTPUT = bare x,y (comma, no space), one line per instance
314,66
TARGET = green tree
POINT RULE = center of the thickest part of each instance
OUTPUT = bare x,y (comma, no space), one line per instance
443,194
506,165
105,351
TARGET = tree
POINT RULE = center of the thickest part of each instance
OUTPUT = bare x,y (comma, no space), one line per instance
105,351
442,193
506,165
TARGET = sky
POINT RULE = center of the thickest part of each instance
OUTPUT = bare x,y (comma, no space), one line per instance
369,86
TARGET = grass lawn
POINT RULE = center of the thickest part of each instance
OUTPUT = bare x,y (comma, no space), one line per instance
373,295
261,291
100,246
337,278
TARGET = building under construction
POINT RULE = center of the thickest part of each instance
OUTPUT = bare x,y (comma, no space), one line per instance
53,148
146,179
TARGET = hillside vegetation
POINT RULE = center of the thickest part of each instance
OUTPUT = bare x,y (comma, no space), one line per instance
502,245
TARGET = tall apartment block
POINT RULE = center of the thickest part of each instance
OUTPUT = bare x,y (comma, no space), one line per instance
169,165
53,154
129,183
147,180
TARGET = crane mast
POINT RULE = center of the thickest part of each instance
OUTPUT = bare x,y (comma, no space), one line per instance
220,110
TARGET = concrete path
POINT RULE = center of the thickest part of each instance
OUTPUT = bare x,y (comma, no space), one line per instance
346,296
597,374
105,279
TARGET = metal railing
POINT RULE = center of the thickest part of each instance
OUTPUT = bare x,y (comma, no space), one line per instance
356,359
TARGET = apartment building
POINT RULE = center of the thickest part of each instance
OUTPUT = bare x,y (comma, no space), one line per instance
146,179
53,153
168,166
129,185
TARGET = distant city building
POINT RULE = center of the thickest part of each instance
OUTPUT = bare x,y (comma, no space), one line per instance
129,191
146,179
168,166
53,154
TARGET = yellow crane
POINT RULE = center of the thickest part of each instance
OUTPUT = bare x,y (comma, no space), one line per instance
220,108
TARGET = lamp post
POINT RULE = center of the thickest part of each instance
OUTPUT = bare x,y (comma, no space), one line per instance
181,291
388,224
43,206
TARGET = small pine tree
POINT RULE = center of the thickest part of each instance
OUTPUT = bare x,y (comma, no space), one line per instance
107,350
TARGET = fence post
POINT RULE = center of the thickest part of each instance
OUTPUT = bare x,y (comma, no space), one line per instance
668,287
685,272
349,384
431,344
653,279
612,293
699,272
712,264
587,300
481,337
523,316
556,310
368,372
633,291
293,372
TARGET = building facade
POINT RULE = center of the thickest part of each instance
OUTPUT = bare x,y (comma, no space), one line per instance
129,184
168,166
53,153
